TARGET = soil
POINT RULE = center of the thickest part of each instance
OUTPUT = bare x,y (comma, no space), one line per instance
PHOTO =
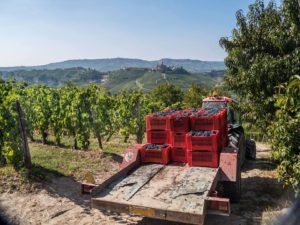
60,201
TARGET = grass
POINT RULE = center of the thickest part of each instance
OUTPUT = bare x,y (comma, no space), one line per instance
51,160
114,145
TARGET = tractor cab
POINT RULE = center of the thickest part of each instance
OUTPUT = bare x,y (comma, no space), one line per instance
219,102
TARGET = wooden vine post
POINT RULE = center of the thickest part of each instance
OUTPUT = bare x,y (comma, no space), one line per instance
25,147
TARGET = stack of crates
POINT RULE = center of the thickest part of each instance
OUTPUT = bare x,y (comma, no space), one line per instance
193,136
179,127
203,148
208,136
158,133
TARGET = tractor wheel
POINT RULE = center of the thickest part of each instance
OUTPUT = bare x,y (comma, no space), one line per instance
250,149
233,190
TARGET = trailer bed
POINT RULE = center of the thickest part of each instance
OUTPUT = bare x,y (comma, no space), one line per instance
172,192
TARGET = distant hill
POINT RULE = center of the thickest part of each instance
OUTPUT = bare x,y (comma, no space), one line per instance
105,65
146,80
130,78
56,77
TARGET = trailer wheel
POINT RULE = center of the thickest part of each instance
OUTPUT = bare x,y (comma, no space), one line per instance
250,149
233,190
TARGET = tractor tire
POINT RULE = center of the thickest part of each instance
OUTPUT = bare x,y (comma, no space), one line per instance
250,149
233,190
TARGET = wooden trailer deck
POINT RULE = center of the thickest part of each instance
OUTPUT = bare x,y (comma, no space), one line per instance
171,192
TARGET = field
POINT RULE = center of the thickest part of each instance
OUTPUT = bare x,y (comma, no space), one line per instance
148,80
53,194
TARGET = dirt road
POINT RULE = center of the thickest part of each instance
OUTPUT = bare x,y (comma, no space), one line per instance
60,202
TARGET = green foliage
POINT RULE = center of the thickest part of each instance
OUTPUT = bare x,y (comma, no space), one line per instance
77,112
132,107
194,96
103,124
263,56
10,141
285,133
168,95
56,77
263,53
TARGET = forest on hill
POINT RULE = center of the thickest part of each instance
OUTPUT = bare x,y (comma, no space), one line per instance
56,77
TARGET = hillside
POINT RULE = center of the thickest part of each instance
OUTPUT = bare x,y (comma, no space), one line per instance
146,80
105,65
130,78
57,77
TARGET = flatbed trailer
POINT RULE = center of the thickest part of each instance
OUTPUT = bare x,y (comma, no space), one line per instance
170,192
173,192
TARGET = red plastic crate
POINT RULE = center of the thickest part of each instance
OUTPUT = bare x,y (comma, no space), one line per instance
200,158
177,139
179,124
211,143
156,156
179,154
158,137
205,122
157,123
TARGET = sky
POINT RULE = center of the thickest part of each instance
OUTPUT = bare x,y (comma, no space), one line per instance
36,32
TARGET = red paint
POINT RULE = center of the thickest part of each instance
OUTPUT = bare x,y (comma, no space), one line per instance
158,137
229,164
201,158
178,140
157,123
179,154
211,143
131,155
216,203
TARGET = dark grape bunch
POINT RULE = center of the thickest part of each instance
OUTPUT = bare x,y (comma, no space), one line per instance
164,113
205,133
185,114
154,146
207,112
191,110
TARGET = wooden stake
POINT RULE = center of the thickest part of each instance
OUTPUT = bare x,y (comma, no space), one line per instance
25,147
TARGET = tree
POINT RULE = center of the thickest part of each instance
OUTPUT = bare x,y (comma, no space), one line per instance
70,114
263,53
10,140
263,57
167,95
285,133
102,115
40,108
57,114
131,109
194,96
